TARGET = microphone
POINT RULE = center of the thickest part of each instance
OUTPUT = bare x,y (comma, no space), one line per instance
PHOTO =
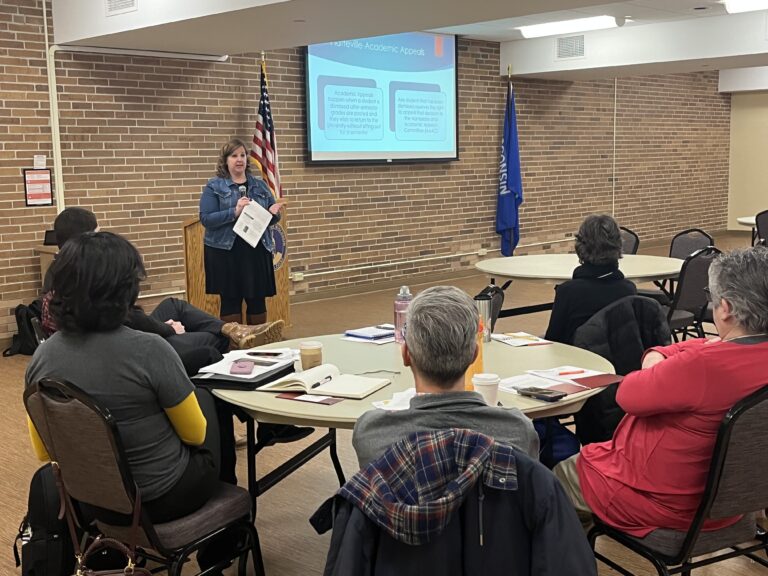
243,190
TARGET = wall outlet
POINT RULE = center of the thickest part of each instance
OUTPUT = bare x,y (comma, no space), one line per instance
482,252
297,276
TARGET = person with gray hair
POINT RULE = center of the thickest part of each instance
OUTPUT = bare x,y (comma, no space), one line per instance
440,344
653,472
596,282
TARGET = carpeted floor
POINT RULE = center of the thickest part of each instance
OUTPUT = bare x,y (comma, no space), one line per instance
290,546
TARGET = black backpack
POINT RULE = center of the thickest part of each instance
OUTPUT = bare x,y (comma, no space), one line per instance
28,338
46,547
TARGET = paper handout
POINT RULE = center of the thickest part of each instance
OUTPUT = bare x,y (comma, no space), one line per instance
253,221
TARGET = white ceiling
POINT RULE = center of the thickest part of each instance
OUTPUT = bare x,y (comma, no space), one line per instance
247,26
638,13
283,24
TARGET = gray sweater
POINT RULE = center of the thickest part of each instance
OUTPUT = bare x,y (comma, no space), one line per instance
377,430
136,376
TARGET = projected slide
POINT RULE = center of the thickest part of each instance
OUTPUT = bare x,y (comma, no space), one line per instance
384,98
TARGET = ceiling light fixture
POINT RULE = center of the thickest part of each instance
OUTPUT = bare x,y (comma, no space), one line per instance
569,26
737,6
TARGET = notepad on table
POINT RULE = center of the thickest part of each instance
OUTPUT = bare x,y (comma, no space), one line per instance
568,379
370,333
326,380
574,379
262,369
520,339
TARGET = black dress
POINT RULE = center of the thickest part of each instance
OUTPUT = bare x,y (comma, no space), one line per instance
242,272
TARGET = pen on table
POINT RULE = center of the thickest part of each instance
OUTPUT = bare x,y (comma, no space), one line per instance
570,372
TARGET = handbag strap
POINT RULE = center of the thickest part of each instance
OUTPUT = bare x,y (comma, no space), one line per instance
66,510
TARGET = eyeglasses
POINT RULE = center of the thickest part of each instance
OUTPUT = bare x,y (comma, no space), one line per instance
708,293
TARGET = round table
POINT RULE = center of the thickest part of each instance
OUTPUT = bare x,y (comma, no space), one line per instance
555,268
357,358
751,222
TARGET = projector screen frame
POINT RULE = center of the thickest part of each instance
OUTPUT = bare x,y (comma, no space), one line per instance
382,161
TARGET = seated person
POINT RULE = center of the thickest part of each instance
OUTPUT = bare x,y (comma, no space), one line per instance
440,344
596,283
187,328
197,337
171,445
653,473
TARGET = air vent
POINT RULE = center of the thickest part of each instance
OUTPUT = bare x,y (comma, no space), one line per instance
115,7
570,47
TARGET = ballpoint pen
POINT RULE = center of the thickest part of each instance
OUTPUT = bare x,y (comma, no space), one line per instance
323,381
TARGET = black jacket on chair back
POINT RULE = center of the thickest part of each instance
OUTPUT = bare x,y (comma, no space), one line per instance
620,333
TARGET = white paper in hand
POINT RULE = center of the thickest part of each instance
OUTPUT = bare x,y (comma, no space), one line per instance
252,223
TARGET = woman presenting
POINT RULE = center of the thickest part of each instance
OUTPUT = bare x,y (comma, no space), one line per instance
233,269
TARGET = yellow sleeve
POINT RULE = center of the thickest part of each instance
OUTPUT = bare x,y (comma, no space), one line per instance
37,443
188,421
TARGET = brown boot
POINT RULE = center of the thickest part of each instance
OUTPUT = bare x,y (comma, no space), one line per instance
244,337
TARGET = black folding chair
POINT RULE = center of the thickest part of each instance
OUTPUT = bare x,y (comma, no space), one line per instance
736,485
761,225
630,241
686,312
683,245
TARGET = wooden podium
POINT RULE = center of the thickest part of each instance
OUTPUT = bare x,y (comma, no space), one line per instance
278,306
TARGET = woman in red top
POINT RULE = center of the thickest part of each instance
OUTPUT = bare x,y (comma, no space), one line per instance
653,473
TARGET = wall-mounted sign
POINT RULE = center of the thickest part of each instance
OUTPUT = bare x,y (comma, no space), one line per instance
37,187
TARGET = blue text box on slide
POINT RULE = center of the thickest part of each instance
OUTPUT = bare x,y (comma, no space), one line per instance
420,115
353,113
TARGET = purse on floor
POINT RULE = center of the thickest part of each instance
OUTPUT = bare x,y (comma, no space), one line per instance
100,543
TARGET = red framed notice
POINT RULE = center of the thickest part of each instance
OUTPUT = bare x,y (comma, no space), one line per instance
37,187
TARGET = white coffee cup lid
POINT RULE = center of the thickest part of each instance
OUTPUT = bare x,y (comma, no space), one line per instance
485,379
310,344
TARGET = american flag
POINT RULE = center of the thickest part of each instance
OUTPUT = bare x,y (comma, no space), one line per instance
264,149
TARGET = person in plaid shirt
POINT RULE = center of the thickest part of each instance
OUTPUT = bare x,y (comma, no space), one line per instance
440,344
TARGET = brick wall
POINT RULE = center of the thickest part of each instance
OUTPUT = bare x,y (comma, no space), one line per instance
140,135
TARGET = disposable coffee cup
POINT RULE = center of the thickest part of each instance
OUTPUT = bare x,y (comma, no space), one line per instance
488,386
311,354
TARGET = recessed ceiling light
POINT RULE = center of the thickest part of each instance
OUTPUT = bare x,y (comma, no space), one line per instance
568,26
737,6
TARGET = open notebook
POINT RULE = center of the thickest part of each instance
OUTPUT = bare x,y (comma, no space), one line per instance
326,380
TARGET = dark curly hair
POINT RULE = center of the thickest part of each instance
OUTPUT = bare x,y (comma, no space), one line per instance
598,241
221,163
95,281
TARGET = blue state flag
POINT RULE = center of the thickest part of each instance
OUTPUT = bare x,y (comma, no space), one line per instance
510,181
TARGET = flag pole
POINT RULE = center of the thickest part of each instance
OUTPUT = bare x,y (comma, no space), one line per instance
264,154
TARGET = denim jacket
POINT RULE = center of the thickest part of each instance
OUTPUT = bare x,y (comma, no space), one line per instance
217,210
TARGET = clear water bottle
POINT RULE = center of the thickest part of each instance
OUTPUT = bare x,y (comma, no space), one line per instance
402,300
